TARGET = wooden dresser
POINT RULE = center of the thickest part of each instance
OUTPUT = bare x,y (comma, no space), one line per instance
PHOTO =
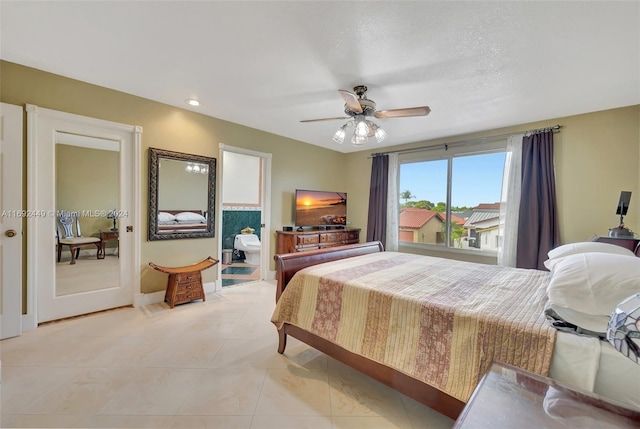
303,241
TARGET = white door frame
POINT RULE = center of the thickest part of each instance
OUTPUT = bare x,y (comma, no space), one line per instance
40,248
11,145
265,236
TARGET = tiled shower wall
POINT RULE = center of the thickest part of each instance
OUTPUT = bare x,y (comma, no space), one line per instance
233,221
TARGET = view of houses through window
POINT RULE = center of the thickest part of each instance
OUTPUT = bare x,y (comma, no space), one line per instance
472,183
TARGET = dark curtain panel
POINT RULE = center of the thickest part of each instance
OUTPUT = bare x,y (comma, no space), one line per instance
377,219
538,224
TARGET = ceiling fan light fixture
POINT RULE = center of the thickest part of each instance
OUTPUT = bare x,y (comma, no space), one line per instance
362,128
358,107
379,133
339,136
359,140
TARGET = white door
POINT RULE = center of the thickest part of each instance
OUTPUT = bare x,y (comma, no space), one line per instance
88,166
11,220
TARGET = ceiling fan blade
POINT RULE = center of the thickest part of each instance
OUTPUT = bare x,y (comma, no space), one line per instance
325,119
351,99
403,113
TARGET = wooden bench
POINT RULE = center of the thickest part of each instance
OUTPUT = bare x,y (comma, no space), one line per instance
185,283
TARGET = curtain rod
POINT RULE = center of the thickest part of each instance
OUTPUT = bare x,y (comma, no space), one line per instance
445,146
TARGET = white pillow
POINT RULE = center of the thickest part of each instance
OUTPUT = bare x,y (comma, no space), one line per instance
190,217
593,283
586,247
166,217
589,322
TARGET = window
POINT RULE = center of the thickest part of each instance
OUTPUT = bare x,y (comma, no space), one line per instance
451,198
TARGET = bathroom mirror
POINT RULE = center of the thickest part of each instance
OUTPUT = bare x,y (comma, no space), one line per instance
181,195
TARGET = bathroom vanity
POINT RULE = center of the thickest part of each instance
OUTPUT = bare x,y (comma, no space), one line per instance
303,241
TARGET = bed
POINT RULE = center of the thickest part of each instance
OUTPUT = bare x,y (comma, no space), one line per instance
433,337
170,221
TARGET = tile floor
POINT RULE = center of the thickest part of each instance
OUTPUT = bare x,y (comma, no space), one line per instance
88,273
239,272
200,365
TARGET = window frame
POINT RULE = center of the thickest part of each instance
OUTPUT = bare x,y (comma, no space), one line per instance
444,152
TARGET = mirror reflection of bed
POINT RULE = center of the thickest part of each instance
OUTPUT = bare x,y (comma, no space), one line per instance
181,221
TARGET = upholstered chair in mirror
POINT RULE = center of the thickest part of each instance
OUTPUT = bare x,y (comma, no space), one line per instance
68,233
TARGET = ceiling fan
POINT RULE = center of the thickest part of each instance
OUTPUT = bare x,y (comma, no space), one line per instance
358,107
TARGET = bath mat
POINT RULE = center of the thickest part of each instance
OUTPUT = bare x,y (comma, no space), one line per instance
245,271
231,282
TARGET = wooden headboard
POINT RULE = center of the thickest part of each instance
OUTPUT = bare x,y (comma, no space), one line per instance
175,212
288,264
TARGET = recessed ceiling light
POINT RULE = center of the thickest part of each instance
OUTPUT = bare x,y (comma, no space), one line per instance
193,102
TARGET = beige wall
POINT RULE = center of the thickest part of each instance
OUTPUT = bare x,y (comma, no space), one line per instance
597,156
241,180
429,232
179,189
294,164
87,182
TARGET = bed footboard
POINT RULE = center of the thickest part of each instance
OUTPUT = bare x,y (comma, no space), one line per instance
290,263
416,389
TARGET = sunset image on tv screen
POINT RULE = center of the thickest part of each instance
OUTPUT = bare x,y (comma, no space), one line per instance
315,208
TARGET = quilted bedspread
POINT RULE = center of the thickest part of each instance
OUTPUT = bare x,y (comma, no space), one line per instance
437,320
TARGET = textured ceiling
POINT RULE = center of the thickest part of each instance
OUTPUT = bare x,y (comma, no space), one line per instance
268,65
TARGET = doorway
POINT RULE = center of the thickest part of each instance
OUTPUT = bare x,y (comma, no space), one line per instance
84,176
244,215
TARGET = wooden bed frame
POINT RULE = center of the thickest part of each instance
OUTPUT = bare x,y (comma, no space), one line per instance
288,264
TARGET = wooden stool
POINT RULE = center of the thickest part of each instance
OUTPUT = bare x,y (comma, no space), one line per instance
185,283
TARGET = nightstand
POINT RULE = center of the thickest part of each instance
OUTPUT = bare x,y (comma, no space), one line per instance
106,235
509,397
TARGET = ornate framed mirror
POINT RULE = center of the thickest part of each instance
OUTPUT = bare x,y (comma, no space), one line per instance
181,195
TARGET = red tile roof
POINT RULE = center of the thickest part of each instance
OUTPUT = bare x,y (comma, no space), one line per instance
487,206
457,219
415,218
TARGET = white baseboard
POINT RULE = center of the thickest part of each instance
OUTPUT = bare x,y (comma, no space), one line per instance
143,299
157,297
28,322
210,287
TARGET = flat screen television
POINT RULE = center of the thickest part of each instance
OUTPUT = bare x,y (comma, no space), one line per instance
320,208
